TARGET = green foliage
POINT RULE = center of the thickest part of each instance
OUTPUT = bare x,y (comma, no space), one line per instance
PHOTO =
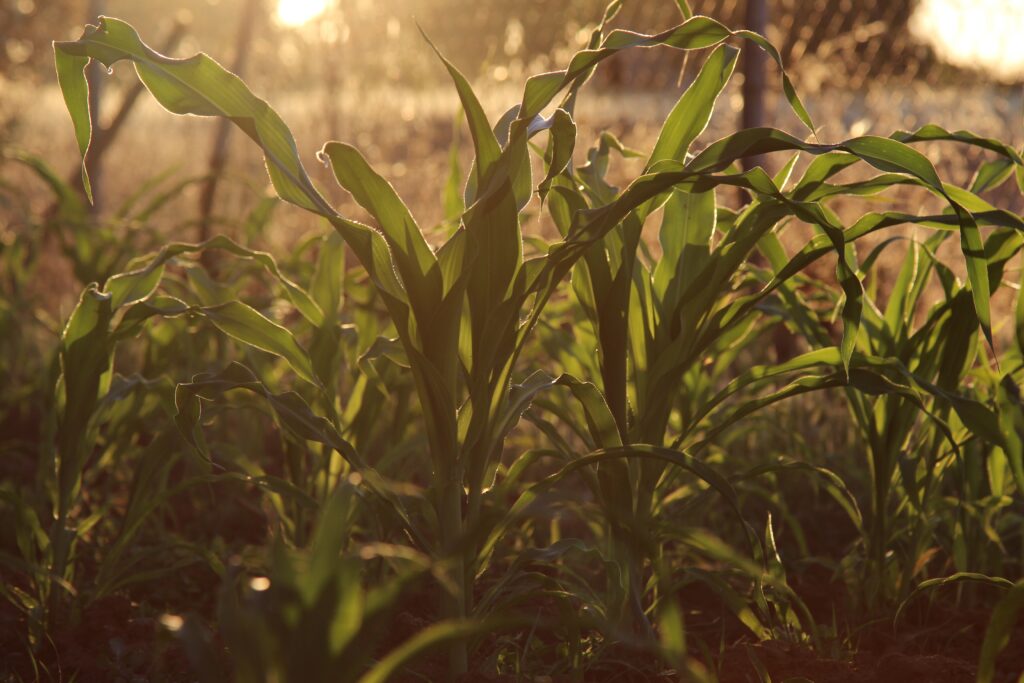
556,464
997,635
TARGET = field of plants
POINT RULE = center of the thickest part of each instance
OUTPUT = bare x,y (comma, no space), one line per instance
612,414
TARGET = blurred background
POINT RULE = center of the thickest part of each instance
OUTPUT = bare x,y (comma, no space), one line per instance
358,71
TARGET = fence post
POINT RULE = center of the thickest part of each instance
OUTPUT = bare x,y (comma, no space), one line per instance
753,66
754,82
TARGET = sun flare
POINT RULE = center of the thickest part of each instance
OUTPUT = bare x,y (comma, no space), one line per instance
298,12
979,34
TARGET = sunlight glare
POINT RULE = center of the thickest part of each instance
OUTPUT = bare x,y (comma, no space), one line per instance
298,12
978,34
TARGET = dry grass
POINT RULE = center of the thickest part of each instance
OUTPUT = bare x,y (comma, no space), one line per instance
406,134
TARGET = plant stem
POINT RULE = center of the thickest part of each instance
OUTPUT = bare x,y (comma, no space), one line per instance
453,606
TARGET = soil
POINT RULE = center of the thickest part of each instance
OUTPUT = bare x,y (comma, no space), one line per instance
117,639
114,641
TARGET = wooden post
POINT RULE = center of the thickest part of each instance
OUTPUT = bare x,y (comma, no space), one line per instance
754,83
753,66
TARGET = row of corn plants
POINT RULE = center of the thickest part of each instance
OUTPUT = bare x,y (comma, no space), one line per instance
546,441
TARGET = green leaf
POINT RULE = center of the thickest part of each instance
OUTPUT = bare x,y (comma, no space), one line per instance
71,209
684,8
85,357
886,155
143,268
931,132
329,276
692,112
997,634
413,257
671,630
294,415
75,89
695,33
249,326
641,452
452,199
1011,426
685,236
432,636
560,148
833,482
485,143
600,422
992,174
197,85
128,288
953,579
787,86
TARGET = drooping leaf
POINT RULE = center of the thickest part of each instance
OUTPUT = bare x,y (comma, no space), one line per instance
692,112
197,85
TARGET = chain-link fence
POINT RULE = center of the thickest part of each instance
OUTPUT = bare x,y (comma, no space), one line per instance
360,71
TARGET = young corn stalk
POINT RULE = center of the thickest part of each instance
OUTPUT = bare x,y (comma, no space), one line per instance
87,386
915,441
457,310
463,312
656,324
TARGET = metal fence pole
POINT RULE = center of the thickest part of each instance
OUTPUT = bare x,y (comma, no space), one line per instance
754,71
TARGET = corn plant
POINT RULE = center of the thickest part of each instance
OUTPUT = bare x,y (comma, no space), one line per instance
472,290
999,630
311,618
98,248
463,313
655,325
98,417
917,437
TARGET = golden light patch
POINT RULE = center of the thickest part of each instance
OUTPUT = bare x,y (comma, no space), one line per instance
978,34
298,12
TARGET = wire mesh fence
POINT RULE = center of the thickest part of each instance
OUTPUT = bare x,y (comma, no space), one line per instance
360,70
